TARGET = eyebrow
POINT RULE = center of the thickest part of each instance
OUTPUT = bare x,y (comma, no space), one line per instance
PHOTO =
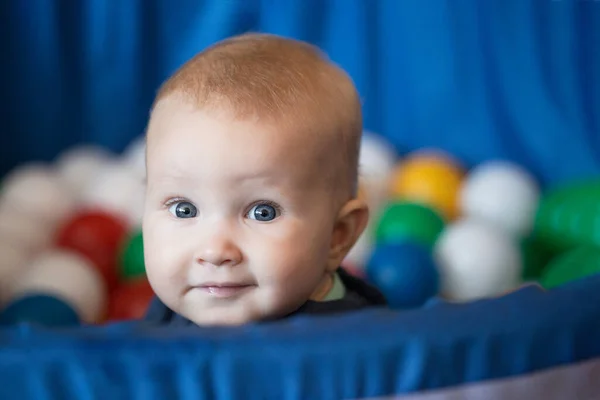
265,178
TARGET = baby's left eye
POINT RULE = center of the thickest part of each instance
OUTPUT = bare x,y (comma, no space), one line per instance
263,212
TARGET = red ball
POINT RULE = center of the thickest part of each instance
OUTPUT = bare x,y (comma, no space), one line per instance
130,300
97,236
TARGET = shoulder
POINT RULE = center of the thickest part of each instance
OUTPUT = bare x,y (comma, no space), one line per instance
359,295
357,286
159,314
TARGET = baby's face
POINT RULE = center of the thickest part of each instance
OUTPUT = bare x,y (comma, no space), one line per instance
238,223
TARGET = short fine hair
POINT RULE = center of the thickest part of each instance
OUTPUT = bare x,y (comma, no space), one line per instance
283,80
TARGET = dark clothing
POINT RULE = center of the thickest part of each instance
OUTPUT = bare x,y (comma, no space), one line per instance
358,295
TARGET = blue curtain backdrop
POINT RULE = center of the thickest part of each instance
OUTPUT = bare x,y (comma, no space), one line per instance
515,79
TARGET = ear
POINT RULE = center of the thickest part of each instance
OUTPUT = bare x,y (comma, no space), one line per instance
350,224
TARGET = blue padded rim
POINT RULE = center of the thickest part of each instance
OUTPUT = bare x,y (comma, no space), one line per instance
370,353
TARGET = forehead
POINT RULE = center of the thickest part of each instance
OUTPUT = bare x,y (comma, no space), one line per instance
189,143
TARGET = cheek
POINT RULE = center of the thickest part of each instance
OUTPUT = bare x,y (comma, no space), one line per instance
295,251
161,252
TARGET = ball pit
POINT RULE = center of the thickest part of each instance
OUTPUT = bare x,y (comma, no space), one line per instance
437,228
491,228
426,249
77,258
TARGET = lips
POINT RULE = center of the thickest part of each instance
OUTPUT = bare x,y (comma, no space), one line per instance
224,290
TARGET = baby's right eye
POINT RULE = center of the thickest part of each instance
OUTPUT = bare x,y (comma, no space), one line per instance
183,209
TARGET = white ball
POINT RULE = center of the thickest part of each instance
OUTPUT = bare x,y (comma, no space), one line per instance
23,230
376,163
477,260
12,262
78,165
135,156
67,276
503,194
117,189
36,189
377,155
360,252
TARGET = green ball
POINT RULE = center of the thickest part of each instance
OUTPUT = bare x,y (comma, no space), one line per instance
536,255
572,265
409,221
567,217
132,257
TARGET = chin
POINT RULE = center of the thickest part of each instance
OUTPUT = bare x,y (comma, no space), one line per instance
222,319
236,316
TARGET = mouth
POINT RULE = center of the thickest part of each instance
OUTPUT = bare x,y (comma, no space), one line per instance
224,290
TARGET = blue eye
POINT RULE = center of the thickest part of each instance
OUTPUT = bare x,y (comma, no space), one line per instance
183,209
263,212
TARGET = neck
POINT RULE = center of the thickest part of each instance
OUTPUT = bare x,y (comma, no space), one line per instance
324,287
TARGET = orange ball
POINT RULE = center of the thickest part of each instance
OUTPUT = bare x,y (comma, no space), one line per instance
431,178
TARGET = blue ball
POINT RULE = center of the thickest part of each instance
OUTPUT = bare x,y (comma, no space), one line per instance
405,272
39,309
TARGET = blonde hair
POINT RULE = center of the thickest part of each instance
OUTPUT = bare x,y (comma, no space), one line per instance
282,80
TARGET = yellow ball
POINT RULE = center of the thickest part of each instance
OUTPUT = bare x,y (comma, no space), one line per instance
431,178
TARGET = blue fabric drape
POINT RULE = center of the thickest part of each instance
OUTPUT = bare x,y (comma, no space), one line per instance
515,79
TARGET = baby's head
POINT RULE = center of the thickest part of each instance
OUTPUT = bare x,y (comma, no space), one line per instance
252,153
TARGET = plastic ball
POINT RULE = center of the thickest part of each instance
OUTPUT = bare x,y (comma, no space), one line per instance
23,230
135,156
535,255
130,300
503,194
132,257
405,273
377,154
12,263
570,266
97,236
402,221
430,178
117,190
38,190
67,276
569,216
477,260
39,309
79,165
377,161
360,252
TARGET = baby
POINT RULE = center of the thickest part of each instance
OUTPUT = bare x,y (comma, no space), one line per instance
252,159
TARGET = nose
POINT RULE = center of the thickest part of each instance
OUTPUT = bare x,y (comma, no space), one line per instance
218,251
